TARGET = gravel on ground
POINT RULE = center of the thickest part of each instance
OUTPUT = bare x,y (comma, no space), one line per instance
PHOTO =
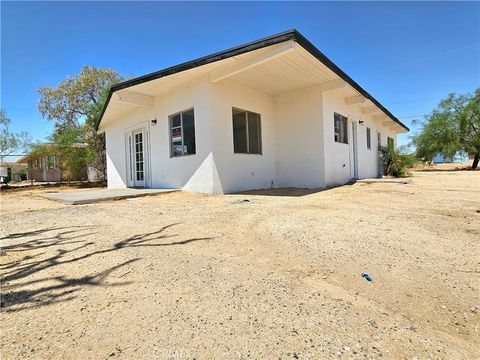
262,275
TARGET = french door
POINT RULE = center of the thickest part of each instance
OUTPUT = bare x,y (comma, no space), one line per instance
138,158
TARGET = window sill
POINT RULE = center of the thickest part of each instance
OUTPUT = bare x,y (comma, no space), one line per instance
247,154
181,156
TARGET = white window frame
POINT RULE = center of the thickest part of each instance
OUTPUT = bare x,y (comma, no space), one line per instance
129,153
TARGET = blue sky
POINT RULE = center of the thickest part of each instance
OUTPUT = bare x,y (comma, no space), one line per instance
406,54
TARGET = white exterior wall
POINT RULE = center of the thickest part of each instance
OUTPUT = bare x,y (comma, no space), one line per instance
300,139
116,145
339,156
165,171
298,147
238,172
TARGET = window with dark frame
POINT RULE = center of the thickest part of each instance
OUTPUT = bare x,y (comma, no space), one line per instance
340,128
369,140
247,132
379,141
182,133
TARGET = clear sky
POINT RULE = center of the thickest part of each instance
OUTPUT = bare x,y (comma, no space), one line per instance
408,55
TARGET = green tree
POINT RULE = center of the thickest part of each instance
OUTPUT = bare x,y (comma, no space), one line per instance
11,143
453,126
74,106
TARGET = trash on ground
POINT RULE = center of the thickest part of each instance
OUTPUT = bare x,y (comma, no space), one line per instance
367,277
240,201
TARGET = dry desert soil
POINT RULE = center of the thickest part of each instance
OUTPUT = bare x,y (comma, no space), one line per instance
192,276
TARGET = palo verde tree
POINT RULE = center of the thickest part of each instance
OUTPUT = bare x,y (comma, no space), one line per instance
453,126
74,106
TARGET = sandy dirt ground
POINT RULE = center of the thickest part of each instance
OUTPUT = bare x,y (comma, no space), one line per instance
214,277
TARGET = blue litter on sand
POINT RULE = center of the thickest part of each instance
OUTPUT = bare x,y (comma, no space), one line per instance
367,277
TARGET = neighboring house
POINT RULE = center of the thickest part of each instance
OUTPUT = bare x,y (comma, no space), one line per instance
12,171
46,167
272,113
459,158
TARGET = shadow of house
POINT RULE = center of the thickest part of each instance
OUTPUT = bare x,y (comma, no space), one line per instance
290,191
21,291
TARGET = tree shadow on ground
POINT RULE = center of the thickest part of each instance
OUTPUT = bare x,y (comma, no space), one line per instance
21,288
63,289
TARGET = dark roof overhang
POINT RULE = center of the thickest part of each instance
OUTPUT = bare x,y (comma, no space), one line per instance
242,49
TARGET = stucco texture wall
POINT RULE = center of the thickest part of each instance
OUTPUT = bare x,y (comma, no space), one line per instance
238,172
165,172
300,139
298,147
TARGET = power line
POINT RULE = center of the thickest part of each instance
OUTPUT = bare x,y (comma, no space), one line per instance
416,100
436,55
410,117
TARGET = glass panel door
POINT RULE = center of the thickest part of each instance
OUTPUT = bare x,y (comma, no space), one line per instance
139,163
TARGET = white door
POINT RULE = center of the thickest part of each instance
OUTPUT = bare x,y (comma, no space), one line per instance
138,166
354,152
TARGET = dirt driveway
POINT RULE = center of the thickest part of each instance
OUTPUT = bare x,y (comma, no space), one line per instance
208,277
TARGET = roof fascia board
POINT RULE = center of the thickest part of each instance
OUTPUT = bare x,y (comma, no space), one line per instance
238,50
307,45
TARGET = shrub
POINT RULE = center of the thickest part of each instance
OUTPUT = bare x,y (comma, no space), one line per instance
394,163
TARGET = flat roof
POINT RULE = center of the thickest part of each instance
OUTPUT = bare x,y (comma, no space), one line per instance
288,35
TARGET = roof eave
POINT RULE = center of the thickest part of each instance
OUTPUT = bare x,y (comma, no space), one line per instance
292,34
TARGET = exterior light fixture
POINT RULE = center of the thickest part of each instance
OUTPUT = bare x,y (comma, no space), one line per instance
154,122
360,122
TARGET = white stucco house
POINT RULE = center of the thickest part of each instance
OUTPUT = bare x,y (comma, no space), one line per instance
275,112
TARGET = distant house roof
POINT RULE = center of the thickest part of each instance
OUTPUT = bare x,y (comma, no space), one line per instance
26,158
290,35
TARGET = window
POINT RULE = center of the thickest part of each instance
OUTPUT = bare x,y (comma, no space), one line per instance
51,162
247,132
369,140
379,141
340,128
37,164
390,142
182,133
